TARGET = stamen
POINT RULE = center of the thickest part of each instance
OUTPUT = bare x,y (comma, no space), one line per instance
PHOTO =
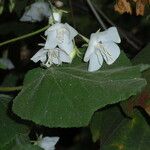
104,51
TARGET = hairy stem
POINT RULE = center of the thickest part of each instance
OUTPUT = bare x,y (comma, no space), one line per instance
24,36
96,15
10,89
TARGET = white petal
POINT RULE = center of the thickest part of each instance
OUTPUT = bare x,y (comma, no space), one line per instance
40,56
37,12
34,14
25,18
72,31
64,57
109,35
111,53
51,41
48,143
44,9
114,35
55,27
66,45
91,48
95,62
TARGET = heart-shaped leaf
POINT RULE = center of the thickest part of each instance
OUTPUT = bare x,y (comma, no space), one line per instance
68,96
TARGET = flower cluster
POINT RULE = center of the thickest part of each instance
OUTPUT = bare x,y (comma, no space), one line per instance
60,46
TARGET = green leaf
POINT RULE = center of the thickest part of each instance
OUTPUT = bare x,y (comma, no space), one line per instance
68,96
130,134
2,66
143,99
21,142
10,80
143,56
104,122
9,129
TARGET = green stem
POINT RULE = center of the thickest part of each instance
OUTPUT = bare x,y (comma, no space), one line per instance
10,89
24,36
84,38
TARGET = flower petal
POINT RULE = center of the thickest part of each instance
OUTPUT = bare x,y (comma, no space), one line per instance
95,63
91,47
111,53
66,45
64,57
72,31
110,34
40,56
48,143
55,27
114,35
51,41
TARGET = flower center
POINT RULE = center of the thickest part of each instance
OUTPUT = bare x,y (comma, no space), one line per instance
103,51
52,54
60,35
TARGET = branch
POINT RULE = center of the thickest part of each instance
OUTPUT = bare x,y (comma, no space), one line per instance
10,89
96,15
24,36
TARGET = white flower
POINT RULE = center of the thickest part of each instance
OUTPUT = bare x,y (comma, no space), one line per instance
102,45
7,63
36,12
48,143
51,56
60,35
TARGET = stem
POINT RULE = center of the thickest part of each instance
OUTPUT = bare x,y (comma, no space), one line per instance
10,89
96,15
51,9
84,38
24,36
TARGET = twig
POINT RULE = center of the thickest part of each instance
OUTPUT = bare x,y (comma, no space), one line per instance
72,13
24,36
96,15
10,89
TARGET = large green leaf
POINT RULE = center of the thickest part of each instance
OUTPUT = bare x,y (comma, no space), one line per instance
117,132
9,129
68,96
